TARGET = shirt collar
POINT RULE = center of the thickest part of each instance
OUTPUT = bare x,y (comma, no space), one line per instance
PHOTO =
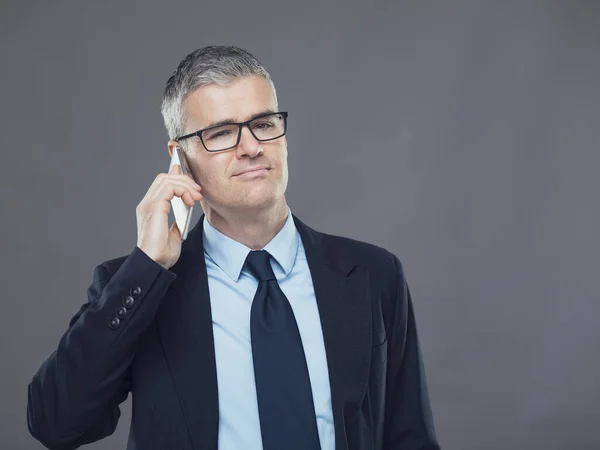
230,255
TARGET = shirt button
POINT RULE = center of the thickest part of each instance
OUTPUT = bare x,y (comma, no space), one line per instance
136,291
114,323
128,301
121,312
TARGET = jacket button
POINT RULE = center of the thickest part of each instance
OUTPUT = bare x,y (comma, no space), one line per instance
114,323
121,312
136,291
128,302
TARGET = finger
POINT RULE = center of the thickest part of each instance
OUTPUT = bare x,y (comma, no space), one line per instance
185,179
189,199
159,196
178,188
174,229
196,185
176,169
167,186
162,188
175,173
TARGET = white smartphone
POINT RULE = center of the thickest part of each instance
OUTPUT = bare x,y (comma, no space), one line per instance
181,211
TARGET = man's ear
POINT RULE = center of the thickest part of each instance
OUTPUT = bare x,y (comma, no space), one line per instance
171,145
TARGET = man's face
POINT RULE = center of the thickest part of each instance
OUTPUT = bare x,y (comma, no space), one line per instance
217,172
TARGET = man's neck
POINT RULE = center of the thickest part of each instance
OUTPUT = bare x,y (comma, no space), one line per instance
255,230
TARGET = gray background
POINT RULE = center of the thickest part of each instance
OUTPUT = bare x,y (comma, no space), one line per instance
464,137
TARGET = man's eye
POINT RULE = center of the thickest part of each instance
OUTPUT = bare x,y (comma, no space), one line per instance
219,134
262,125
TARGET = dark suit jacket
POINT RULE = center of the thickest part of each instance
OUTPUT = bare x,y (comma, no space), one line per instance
163,352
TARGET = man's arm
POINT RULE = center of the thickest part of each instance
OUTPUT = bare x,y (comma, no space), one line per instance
408,417
74,396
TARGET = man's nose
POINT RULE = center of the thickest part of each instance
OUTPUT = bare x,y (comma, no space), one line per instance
248,145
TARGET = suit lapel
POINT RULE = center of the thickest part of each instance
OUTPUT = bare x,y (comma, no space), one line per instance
185,326
184,321
342,289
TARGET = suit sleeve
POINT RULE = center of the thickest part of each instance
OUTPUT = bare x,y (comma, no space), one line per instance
74,396
408,417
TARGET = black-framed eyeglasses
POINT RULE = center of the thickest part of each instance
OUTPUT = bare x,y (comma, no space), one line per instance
266,127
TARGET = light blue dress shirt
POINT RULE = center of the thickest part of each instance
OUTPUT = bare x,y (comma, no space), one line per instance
232,288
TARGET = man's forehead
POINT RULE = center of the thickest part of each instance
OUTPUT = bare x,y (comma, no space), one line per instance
237,101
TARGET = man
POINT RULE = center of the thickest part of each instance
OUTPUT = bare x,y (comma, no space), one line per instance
256,331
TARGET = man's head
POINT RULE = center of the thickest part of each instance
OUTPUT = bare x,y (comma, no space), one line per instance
219,84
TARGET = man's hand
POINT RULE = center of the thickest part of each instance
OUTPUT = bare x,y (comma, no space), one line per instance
154,236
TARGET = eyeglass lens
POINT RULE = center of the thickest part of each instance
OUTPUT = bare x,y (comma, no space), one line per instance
225,136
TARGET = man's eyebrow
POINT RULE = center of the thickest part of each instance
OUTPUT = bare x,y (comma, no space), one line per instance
230,121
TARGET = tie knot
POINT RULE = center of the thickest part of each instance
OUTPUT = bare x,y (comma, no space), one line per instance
259,263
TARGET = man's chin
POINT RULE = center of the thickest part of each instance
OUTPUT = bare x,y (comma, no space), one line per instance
259,200
253,197
256,204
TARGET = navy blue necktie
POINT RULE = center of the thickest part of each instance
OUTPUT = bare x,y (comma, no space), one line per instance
285,402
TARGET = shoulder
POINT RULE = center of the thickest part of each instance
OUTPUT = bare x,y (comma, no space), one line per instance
385,271
380,262
368,252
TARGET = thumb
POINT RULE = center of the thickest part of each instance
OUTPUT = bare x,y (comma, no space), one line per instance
174,229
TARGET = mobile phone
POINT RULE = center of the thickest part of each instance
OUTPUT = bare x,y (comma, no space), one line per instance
181,211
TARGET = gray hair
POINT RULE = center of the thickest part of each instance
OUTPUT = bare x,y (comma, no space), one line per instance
211,64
